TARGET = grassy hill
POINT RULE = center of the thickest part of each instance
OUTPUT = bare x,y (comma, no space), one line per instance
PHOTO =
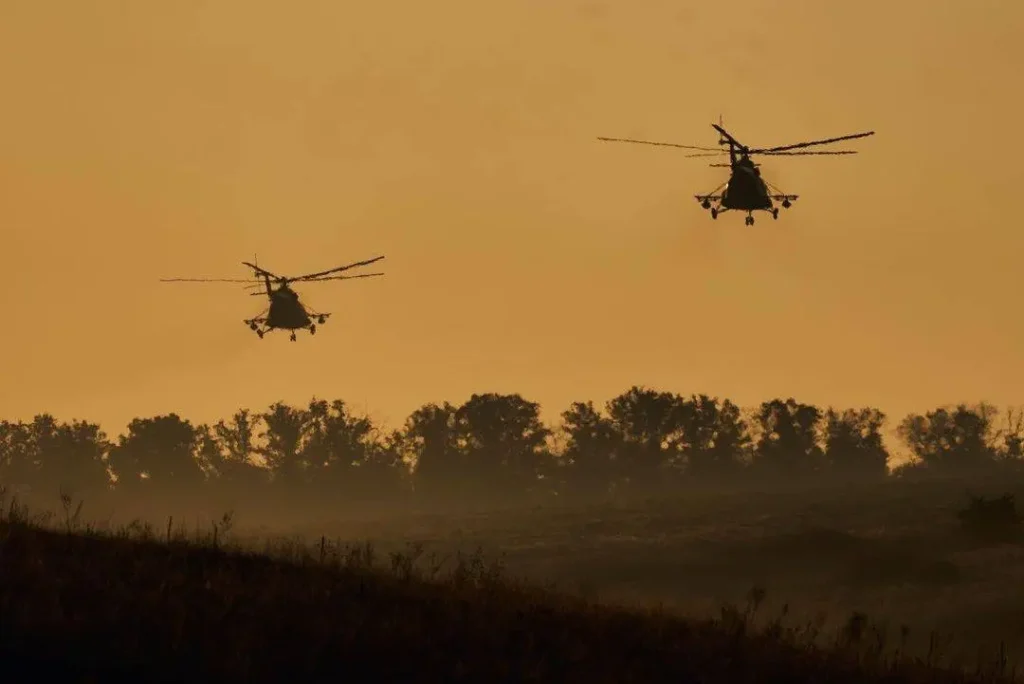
126,606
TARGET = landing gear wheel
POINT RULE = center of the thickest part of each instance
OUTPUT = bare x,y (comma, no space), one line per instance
312,329
292,338
260,333
775,214
750,221
714,213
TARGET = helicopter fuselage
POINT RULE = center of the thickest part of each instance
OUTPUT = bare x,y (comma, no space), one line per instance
286,311
746,191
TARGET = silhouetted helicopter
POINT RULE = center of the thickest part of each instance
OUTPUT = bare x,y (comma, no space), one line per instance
746,190
285,312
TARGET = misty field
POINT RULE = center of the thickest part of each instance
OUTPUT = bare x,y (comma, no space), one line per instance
216,604
895,552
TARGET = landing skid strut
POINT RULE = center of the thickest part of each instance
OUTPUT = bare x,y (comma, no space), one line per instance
260,327
715,210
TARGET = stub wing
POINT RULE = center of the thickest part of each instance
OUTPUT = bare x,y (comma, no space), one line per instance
709,198
784,198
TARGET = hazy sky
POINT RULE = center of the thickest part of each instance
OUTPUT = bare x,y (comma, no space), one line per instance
141,140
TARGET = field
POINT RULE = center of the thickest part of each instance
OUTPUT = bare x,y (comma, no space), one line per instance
878,575
894,552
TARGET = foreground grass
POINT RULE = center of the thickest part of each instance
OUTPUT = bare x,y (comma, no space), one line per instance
138,605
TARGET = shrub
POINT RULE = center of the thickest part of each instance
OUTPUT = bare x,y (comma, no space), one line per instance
991,520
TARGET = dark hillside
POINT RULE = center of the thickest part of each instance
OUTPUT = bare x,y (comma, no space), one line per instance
83,607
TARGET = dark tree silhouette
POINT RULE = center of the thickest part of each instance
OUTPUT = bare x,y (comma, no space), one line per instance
49,457
504,441
325,443
650,427
854,444
160,452
236,448
17,457
788,442
283,448
157,464
335,440
1010,446
345,454
715,437
589,461
951,440
384,469
492,446
431,441
208,452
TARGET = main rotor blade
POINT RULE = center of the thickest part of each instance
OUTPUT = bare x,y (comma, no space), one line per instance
812,142
342,277
261,271
661,144
796,154
310,276
719,153
203,280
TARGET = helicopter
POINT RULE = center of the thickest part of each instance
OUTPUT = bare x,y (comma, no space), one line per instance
286,311
746,190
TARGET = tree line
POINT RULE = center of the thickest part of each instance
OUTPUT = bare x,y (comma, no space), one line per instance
493,446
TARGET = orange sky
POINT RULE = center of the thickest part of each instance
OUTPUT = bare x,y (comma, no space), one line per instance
458,138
